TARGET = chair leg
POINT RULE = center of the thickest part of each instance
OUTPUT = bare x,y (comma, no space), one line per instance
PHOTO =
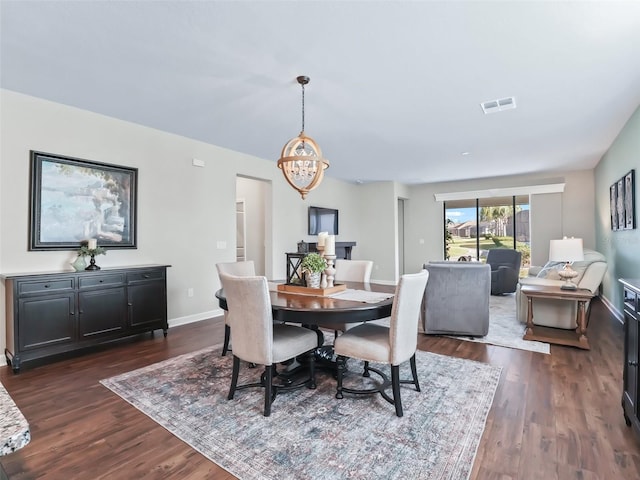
341,366
234,377
366,370
414,372
395,386
268,389
227,335
312,369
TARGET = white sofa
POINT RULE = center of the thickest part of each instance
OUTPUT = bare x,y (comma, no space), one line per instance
560,313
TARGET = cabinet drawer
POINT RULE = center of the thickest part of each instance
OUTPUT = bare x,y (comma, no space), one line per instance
145,275
56,285
102,280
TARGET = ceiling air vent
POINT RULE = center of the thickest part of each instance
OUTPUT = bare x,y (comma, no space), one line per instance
498,105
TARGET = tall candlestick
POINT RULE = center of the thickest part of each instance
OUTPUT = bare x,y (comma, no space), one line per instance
330,245
92,244
322,237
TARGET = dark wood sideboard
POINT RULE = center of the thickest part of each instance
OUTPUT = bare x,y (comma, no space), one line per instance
50,314
631,369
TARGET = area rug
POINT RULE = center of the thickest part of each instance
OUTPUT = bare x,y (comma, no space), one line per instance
504,328
310,434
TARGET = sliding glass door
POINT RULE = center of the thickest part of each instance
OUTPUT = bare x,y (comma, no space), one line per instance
475,226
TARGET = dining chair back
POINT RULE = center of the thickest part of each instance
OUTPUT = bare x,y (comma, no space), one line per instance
240,269
258,341
353,270
350,271
392,345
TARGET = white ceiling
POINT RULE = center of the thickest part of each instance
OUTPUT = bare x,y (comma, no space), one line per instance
395,88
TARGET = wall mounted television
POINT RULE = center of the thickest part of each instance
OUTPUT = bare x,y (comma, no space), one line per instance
323,220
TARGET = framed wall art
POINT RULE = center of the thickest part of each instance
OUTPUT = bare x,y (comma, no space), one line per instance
622,202
72,200
613,198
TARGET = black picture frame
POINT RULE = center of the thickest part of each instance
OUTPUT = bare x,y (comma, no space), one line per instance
623,202
630,200
613,198
72,200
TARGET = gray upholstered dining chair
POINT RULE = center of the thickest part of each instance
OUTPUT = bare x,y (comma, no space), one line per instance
258,341
240,269
350,271
392,345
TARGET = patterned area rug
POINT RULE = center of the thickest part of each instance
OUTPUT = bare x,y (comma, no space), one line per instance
310,434
504,328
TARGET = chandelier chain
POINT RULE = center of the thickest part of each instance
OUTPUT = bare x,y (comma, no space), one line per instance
302,107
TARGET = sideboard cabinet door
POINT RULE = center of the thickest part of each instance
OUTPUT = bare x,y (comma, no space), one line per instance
47,321
102,313
146,289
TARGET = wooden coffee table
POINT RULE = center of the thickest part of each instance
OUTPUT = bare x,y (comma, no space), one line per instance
573,338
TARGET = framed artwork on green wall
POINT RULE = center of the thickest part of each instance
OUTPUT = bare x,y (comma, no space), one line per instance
622,203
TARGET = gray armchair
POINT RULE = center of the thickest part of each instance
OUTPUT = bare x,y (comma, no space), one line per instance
505,270
456,300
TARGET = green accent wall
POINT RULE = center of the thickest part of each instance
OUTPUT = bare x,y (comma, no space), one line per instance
622,248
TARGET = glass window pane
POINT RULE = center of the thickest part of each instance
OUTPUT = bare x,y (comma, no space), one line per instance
460,236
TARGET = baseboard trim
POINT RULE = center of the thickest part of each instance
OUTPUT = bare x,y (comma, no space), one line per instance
615,312
196,317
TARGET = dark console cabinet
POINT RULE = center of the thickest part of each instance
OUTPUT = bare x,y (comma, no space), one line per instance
631,382
54,313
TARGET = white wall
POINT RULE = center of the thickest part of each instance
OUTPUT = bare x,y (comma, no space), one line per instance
622,247
183,211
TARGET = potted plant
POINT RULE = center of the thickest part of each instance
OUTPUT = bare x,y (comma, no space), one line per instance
313,265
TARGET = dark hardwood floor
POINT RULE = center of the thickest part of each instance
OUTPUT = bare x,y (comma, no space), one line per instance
554,416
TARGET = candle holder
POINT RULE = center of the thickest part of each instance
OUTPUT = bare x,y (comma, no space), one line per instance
330,271
320,249
92,263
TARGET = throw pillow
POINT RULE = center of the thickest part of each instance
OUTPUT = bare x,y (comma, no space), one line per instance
550,270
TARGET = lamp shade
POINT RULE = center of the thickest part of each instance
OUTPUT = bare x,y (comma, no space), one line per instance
566,250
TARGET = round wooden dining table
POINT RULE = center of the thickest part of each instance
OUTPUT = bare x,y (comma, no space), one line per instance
319,311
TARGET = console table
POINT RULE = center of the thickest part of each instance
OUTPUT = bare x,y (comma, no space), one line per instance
343,249
577,338
49,314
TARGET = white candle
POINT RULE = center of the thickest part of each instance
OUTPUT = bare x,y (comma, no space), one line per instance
330,245
322,238
93,243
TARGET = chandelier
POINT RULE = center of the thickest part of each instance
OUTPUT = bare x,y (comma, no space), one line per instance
301,159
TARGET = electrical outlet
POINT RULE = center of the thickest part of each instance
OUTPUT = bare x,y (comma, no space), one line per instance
190,292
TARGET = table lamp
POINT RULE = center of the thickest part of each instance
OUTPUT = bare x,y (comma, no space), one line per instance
567,250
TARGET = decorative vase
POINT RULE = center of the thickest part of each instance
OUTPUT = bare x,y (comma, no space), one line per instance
79,264
313,279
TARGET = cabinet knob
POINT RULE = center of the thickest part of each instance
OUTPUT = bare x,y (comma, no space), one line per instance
72,313
46,285
130,304
101,281
146,275
633,363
